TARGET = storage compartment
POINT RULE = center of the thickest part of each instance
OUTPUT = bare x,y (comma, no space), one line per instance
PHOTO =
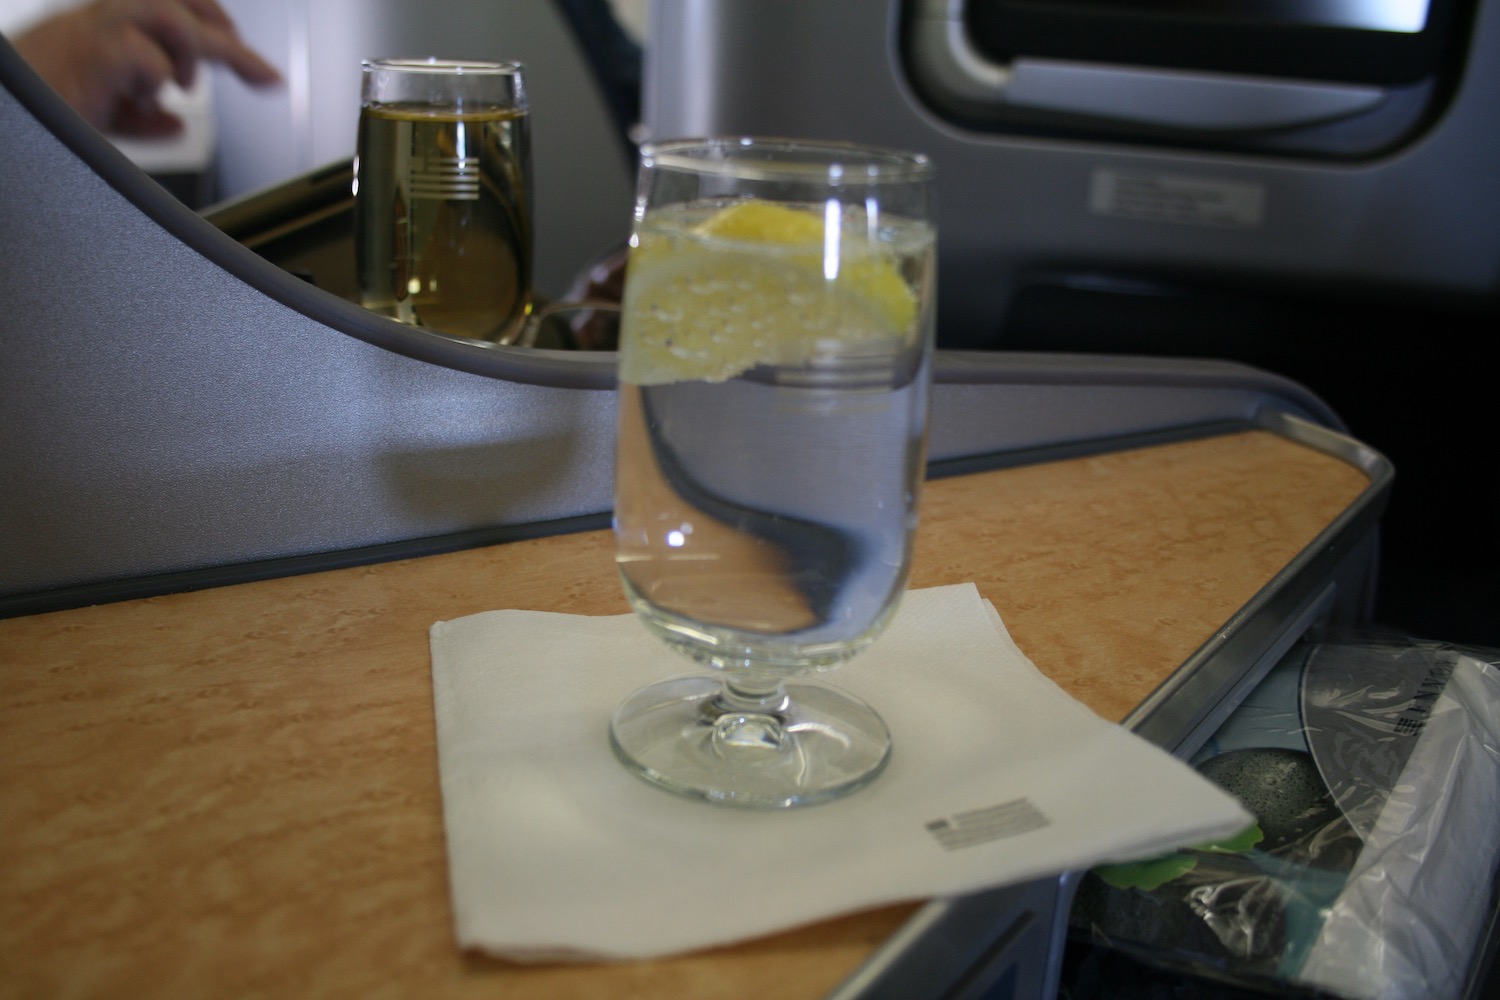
1372,767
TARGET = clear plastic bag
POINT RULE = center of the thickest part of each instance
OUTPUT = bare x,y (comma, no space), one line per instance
1372,765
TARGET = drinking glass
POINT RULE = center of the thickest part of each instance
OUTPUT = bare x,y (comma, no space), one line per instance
443,196
774,368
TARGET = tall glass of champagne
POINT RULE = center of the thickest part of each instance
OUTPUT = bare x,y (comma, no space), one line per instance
442,196
774,367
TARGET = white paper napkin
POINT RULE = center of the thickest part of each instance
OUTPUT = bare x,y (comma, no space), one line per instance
557,852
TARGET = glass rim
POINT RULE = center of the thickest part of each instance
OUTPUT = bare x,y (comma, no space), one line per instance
436,66
754,157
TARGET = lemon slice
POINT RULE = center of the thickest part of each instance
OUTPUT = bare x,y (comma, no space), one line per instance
764,222
746,287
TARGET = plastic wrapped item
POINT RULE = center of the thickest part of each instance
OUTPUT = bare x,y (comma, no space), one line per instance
1372,766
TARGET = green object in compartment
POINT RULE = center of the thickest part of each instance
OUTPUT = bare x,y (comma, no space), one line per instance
1151,873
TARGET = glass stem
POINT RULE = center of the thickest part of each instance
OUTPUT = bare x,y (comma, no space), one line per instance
757,695
751,720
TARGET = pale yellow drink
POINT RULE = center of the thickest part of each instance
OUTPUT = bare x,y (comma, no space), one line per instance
443,218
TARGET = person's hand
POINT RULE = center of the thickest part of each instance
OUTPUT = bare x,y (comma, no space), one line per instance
110,58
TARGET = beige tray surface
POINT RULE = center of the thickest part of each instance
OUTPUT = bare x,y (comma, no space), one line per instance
234,792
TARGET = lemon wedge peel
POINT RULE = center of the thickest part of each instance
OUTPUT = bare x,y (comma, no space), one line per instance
697,314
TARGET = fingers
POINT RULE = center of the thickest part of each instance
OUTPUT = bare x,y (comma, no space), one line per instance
189,31
216,39
109,58
139,66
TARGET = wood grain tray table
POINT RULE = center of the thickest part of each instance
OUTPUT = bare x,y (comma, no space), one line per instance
234,792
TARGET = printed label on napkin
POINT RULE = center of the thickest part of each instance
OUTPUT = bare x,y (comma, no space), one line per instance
980,826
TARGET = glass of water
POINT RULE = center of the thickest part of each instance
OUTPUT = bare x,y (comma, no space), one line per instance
775,354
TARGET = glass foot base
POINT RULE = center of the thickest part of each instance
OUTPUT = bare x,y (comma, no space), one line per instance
791,745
